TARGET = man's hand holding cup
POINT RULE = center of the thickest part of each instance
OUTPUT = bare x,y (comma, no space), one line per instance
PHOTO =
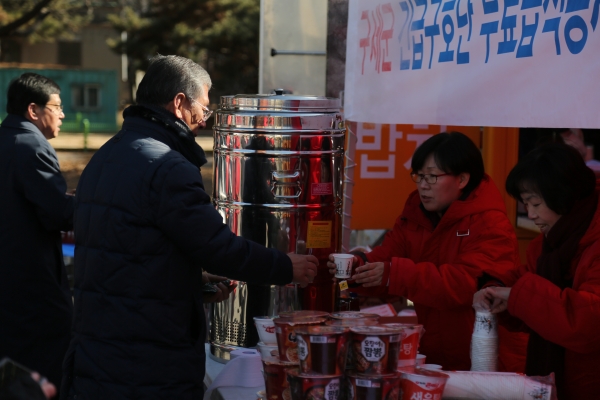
305,268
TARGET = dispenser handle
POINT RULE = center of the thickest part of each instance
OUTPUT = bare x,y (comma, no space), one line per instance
286,179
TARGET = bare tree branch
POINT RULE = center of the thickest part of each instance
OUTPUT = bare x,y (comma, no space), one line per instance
8,29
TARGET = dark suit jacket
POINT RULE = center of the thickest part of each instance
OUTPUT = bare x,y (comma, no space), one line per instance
35,301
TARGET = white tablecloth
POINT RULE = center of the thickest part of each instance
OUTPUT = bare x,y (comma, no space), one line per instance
213,368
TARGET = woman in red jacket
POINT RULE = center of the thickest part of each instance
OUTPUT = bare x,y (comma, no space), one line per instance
557,293
452,235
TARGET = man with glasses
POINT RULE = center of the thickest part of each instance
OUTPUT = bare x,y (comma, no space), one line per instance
144,231
35,300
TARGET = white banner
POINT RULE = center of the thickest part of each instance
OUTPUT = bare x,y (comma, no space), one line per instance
516,63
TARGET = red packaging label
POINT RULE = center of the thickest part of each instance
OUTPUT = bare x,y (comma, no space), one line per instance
425,391
410,344
321,189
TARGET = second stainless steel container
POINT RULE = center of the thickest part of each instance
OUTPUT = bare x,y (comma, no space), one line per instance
278,168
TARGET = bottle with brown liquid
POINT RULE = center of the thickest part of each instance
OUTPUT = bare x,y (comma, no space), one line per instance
345,300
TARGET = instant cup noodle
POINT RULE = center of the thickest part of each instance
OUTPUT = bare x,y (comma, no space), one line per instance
375,349
366,387
314,387
420,360
266,329
322,349
286,336
343,265
267,350
349,323
275,373
354,316
410,343
304,314
422,384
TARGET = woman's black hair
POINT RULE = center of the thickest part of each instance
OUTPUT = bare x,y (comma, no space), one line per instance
554,171
454,153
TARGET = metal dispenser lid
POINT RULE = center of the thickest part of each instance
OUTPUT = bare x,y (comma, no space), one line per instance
280,102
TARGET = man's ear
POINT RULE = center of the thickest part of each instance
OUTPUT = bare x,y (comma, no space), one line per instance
176,105
463,179
32,112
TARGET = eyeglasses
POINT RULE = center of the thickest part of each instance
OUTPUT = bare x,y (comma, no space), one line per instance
207,111
53,110
429,178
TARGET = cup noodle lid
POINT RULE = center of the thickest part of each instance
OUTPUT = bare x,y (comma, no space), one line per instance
376,330
277,361
297,373
303,313
299,321
349,323
353,315
321,330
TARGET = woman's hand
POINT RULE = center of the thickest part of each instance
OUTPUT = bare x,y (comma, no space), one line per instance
491,299
370,274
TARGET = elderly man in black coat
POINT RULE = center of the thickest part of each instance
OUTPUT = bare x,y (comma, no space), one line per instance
35,301
144,231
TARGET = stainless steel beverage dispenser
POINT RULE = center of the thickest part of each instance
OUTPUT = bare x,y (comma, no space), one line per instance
278,170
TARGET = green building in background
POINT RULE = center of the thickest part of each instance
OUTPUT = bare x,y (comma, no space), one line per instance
86,94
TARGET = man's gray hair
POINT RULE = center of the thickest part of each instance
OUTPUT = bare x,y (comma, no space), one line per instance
168,75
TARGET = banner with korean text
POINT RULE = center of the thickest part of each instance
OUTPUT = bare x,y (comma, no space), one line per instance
519,63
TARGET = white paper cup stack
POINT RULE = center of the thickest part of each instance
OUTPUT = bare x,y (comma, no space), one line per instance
484,342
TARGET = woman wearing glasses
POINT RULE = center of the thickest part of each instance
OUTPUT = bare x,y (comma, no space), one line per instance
556,295
452,235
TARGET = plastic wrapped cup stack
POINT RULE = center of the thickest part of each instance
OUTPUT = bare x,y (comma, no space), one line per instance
495,386
484,343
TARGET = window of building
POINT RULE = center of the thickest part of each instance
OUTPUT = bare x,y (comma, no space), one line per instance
69,53
86,96
10,50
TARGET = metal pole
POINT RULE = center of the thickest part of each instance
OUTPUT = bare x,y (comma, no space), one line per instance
86,132
275,52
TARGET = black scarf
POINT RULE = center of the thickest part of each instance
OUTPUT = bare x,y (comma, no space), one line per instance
182,139
558,251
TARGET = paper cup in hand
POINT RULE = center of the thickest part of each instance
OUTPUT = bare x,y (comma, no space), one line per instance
343,265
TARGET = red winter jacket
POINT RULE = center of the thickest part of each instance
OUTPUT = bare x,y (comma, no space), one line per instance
569,317
438,269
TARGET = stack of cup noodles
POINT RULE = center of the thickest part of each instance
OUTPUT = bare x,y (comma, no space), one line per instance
348,356
484,343
374,359
276,368
322,355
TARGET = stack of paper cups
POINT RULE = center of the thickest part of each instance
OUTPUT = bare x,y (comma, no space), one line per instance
484,342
